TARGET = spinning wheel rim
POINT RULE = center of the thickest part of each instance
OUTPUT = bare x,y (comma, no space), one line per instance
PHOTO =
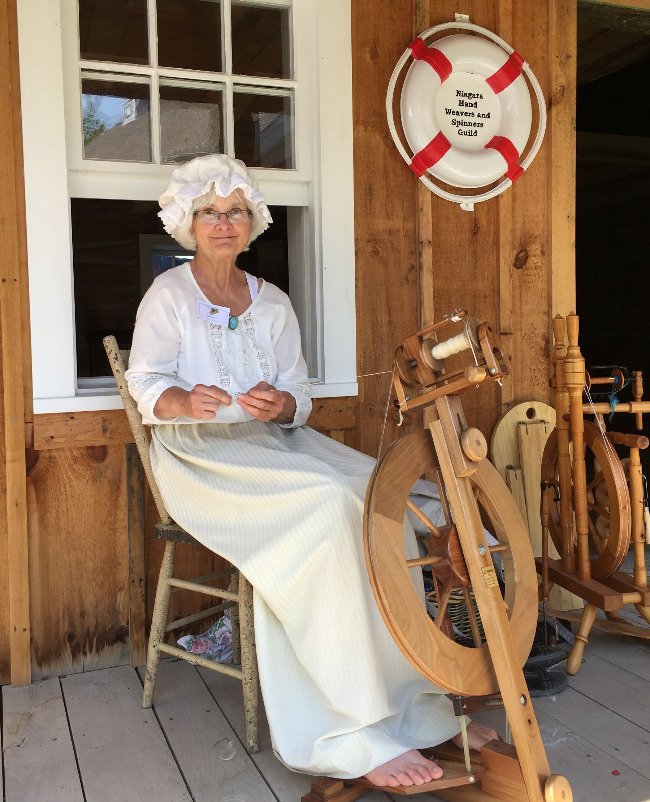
456,668
618,540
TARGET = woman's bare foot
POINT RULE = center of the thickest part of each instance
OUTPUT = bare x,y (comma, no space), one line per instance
411,768
477,736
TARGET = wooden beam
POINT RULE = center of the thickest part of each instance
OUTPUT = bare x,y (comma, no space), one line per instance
561,136
12,292
607,51
110,427
79,429
630,15
613,149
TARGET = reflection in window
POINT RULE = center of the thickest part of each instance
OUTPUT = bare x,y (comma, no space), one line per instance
189,34
113,30
116,120
190,122
263,129
261,43
118,248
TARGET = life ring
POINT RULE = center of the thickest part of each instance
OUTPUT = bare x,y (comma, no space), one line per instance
466,111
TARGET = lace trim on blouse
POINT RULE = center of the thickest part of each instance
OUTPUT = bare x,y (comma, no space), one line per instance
260,353
140,383
217,333
304,388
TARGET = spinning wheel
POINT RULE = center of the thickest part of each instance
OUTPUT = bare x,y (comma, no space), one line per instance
608,501
503,622
429,643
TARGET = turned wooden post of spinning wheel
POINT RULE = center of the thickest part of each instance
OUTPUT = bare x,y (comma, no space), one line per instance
563,439
635,442
574,380
639,533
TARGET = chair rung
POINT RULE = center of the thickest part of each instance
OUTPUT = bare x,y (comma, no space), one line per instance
190,619
209,591
197,660
208,577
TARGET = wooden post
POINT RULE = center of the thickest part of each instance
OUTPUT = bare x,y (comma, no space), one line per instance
563,439
135,488
638,396
12,295
636,504
510,677
574,379
561,143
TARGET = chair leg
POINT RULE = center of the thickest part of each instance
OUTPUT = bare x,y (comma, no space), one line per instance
249,663
158,621
234,621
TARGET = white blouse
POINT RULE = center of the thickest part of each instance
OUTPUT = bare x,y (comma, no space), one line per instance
175,346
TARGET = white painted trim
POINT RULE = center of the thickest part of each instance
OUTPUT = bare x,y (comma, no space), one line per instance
336,189
89,402
46,200
322,183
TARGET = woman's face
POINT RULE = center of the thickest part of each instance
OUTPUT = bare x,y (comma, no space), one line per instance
223,238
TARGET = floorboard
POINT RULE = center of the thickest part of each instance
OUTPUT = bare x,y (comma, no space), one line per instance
603,728
39,760
620,651
587,766
616,689
288,786
121,750
596,733
215,765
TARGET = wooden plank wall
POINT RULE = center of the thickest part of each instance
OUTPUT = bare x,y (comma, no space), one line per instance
416,257
16,391
496,260
387,281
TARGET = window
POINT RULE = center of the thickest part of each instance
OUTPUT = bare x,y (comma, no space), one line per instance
108,88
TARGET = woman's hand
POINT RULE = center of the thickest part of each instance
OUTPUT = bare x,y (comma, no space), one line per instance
266,403
201,402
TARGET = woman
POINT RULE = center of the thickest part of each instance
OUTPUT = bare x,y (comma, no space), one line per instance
216,367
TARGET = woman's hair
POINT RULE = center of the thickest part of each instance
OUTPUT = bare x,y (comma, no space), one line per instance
195,184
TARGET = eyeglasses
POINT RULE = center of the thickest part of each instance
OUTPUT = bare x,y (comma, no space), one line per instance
234,216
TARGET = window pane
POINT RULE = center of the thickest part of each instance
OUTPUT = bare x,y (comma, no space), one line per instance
264,129
190,122
118,247
116,120
261,41
114,30
189,34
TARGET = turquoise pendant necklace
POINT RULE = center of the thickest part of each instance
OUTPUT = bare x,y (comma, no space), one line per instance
233,322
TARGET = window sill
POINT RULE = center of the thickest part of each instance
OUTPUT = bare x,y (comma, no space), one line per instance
94,400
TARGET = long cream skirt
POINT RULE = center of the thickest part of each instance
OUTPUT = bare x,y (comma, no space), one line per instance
285,506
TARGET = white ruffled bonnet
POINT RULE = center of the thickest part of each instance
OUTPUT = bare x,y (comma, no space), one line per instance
198,178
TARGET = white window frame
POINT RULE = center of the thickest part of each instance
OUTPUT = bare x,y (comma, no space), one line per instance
321,187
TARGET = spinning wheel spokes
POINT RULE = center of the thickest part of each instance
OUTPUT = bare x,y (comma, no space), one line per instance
429,643
608,501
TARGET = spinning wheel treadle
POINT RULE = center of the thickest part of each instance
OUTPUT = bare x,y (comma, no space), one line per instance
608,501
425,642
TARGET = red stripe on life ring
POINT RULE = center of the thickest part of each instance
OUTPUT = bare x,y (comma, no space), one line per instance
506,74
510,154
434,57
430,154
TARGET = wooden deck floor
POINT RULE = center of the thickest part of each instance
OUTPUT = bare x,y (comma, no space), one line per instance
85,736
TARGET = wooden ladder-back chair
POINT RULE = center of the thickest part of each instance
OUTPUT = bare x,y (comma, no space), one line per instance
238,598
